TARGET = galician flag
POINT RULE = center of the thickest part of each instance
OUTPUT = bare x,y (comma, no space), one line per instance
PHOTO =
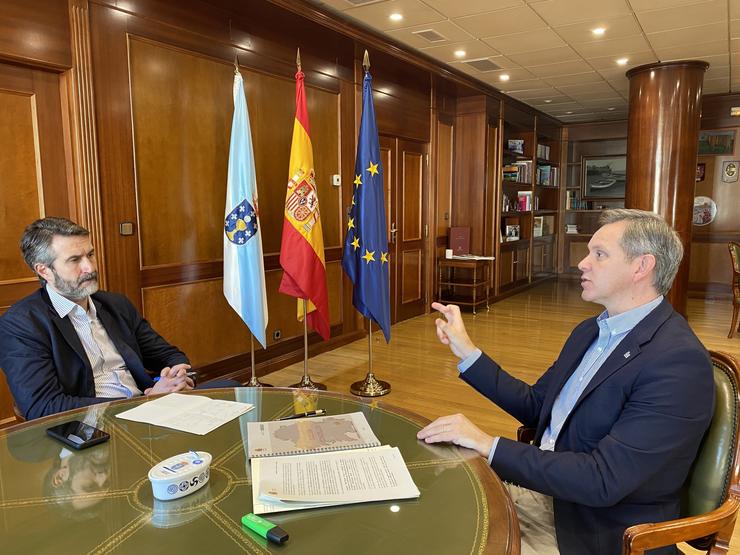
365,258
302,247
244,271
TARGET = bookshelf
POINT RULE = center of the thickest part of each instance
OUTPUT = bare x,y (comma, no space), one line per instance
580,214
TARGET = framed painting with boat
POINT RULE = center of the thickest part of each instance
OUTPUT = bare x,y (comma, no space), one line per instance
604,177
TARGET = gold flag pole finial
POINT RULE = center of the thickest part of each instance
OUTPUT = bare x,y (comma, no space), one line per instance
298,59
236,63
366,62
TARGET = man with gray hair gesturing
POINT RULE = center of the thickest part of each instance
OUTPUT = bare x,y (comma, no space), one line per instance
69,345
620,414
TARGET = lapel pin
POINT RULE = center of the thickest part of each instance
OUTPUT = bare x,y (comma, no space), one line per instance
627,354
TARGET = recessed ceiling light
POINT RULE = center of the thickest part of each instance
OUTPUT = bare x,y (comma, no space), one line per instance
598,31
568,113
460,53
611,109
622,61
396,17
504,77
548,101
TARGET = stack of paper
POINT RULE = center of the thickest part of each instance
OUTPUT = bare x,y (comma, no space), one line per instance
321,462
188,413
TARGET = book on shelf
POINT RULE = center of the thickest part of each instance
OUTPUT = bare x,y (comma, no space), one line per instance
543,151
571,229
524,201
309,435
515,145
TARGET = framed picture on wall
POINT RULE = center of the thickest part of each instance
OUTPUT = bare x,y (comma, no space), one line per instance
603,177
719,142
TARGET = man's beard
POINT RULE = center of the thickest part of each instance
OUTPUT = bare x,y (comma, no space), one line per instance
78,289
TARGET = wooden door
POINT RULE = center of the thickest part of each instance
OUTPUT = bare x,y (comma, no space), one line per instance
412,229
34,180
405,173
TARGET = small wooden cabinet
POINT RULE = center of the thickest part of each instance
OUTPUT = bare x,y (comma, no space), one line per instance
464,282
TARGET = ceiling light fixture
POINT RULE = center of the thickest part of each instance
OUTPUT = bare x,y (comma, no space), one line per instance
611,109
504,77
460,53
395,17
568,113
598,31
548,101
622,61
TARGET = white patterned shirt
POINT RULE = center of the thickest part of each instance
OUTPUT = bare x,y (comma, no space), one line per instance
112,378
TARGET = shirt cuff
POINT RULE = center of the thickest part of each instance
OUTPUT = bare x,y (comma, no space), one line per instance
492,451
469,360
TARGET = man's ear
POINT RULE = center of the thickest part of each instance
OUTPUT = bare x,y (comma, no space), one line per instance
645,266
44,271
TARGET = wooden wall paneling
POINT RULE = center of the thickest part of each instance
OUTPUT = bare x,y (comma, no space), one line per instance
80,126
36,33
711,264
411,291
468,200
388,155
33,167
444,169
109,43
181,107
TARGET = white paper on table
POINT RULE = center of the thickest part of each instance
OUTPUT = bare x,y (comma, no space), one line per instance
327,479
188,413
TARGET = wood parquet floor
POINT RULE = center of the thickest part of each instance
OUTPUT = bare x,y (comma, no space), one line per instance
524,333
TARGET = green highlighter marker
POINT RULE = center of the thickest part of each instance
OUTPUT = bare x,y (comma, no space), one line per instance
265,528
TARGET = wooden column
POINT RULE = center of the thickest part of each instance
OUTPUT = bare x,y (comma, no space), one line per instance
663,127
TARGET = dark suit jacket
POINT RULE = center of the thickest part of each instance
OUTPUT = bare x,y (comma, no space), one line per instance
46,366
626,448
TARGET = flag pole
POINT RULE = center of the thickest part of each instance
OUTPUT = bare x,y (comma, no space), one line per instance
306,381
370,386
253,381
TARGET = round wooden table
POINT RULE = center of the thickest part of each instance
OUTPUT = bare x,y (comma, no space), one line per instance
99,500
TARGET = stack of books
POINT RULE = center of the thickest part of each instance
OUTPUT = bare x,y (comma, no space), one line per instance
547,176
524,201
571,229
521,172
543,151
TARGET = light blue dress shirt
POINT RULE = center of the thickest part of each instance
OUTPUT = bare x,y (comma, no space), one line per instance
611,332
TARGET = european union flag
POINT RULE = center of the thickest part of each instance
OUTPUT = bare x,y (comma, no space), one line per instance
365,258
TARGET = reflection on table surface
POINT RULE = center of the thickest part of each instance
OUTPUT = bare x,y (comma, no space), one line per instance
99,500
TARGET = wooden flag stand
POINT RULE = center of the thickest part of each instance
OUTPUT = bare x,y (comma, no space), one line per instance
370,386
306,382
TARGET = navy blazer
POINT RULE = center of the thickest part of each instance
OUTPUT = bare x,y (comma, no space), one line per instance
46,365
626,448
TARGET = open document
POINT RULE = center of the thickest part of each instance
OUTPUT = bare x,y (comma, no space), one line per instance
327,479
188,413
310,435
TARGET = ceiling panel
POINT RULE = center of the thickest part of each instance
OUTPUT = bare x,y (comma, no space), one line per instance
616,27
522,85
563,68
378,15
575,79
502,22
473,49
633,60
563,12
548,56
517,43
450,31
689,35
684,16
692,51
618,48
457,8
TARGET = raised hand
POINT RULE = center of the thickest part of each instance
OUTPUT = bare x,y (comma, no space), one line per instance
451,331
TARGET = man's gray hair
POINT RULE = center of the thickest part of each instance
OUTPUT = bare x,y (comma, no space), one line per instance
37,238
648,233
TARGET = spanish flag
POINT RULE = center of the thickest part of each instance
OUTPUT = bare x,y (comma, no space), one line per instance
302,247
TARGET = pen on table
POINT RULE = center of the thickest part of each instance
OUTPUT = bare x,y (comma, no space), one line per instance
319,412
187,375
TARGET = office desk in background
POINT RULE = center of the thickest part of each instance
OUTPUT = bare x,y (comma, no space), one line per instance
99,500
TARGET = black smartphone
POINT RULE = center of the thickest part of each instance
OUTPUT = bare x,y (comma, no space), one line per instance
77,434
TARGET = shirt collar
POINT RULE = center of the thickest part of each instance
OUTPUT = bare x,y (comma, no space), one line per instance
64,306
624,322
